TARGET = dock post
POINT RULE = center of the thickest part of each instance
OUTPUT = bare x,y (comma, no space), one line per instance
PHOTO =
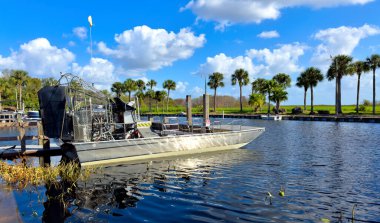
206,110
21,130
45,143
189,115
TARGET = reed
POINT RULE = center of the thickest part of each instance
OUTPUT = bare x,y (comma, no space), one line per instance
21,175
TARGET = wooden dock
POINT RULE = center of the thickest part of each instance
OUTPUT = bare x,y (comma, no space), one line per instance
43,149
8,152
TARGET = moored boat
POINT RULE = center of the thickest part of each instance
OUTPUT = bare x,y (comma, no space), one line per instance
271,117
95,129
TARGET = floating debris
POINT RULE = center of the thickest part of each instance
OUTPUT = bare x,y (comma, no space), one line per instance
281,192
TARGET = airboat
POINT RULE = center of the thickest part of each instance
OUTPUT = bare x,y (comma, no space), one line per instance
94,128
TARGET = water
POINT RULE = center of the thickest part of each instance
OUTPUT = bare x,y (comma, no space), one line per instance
325,168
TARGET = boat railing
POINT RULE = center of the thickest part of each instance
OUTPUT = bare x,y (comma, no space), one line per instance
236,124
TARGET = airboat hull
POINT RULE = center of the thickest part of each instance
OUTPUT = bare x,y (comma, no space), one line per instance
97,153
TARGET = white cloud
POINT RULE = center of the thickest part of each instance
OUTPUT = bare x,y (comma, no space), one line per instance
228,12
181,86
283,59
226,65
144,48
80,32
71,43
341,40
269,34
40,58
100,72
196,91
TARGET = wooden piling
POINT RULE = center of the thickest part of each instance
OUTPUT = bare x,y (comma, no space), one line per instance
189,106
206,110
21,130
45,142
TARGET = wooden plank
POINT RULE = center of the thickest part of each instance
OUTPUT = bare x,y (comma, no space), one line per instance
17,138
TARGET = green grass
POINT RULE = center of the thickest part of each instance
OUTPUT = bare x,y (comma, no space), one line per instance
346,109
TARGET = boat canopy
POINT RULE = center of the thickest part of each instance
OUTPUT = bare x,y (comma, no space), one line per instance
75,111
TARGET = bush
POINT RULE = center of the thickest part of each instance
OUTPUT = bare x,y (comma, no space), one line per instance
297,110
366,103
323,112
362,108
280,110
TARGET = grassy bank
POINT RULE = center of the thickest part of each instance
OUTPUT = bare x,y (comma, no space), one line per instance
346,109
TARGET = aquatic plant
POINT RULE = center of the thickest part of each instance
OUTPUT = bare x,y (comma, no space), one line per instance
21,175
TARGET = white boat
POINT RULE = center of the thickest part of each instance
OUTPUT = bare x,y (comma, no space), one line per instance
94,134
271,117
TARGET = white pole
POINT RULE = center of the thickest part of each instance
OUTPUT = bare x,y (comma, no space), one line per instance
91,41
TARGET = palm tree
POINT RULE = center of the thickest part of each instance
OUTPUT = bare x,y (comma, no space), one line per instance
159,96
118,88
130,86
313,77
256,100
169,85
215,81
152,83
242,77
19,77
50,81
374,62
278,95
302,82
140,89
3,87
339,67
258,85
358,68
283,80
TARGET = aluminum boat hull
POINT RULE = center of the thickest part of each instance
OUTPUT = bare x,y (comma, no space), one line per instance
95,153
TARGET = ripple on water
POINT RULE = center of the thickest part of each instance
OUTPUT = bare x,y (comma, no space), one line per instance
325,167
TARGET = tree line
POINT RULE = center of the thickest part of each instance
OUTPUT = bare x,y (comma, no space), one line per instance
17,88
275,89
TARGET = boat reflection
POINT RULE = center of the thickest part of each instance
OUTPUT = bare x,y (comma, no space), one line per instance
122,186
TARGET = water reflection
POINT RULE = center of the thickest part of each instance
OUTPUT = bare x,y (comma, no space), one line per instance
325,168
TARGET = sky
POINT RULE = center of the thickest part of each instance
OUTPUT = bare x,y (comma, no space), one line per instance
187,40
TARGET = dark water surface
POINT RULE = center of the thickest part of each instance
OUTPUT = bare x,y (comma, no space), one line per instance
325,168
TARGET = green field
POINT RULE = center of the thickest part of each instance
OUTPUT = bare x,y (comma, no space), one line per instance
347,109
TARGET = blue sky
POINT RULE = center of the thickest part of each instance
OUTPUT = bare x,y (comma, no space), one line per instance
182,40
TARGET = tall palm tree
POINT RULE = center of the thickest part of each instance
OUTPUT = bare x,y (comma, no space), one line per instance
19,77
302,82
283,80
3,87
278,95
313,77
130,86
151,84
374,63
258,85
118,88
159,96
140,89
241,77
339,67
215,81
169,85
358,68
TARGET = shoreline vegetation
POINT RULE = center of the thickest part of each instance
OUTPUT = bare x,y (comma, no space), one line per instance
18,91
347,110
